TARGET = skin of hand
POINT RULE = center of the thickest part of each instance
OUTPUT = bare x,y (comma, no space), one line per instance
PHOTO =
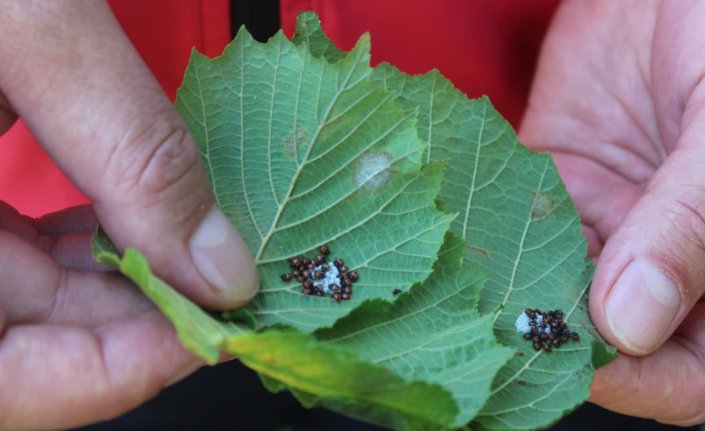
619,99
77,344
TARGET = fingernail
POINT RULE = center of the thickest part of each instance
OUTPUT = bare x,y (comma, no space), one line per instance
223,259
641,306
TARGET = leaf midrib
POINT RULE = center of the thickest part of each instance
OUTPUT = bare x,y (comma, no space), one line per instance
520,251
242,140
295,177
474,177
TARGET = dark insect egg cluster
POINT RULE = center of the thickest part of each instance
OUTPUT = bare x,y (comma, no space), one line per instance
546,330
320,277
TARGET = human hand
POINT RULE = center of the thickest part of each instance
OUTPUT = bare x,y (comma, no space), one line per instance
619,99
81,346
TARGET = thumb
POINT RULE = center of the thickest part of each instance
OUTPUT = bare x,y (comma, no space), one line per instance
652,269
70,72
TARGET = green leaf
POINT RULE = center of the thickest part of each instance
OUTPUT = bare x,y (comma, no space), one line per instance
197,331
281,356
301,152
434,333
311,35
521,227
337,375
103,250
306,145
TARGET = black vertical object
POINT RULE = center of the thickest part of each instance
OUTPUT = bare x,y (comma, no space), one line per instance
260,17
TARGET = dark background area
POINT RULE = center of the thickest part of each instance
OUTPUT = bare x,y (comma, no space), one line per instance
231,397
260,17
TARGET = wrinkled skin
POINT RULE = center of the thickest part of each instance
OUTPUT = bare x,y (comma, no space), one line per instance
75,336
79,344
619,98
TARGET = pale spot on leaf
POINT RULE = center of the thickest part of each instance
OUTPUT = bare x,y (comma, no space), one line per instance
372,171
542,205
293,143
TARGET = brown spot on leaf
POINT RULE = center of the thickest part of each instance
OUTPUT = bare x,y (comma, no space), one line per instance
476,249
293,143
542,205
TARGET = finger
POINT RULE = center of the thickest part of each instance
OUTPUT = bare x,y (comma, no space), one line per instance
67,237
81,376
596,191
78,219
29,279
19,225
74,251
126,147
651,270
594,241
35,288
668,385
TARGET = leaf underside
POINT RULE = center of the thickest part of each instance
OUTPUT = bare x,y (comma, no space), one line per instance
434,333
300,153
288,357
518,224
307,145
521,227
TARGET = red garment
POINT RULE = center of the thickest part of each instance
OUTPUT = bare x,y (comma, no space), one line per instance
483,47
163,31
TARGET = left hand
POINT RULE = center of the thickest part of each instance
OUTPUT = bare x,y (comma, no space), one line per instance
619,99
83,346
78,344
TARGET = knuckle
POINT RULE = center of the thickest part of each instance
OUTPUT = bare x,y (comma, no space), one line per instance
156,157
668,226
689,219
682,238
172,158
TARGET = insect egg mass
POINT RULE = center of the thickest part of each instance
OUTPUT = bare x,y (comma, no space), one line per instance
319,277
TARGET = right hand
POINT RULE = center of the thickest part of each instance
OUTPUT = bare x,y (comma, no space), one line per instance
619,99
